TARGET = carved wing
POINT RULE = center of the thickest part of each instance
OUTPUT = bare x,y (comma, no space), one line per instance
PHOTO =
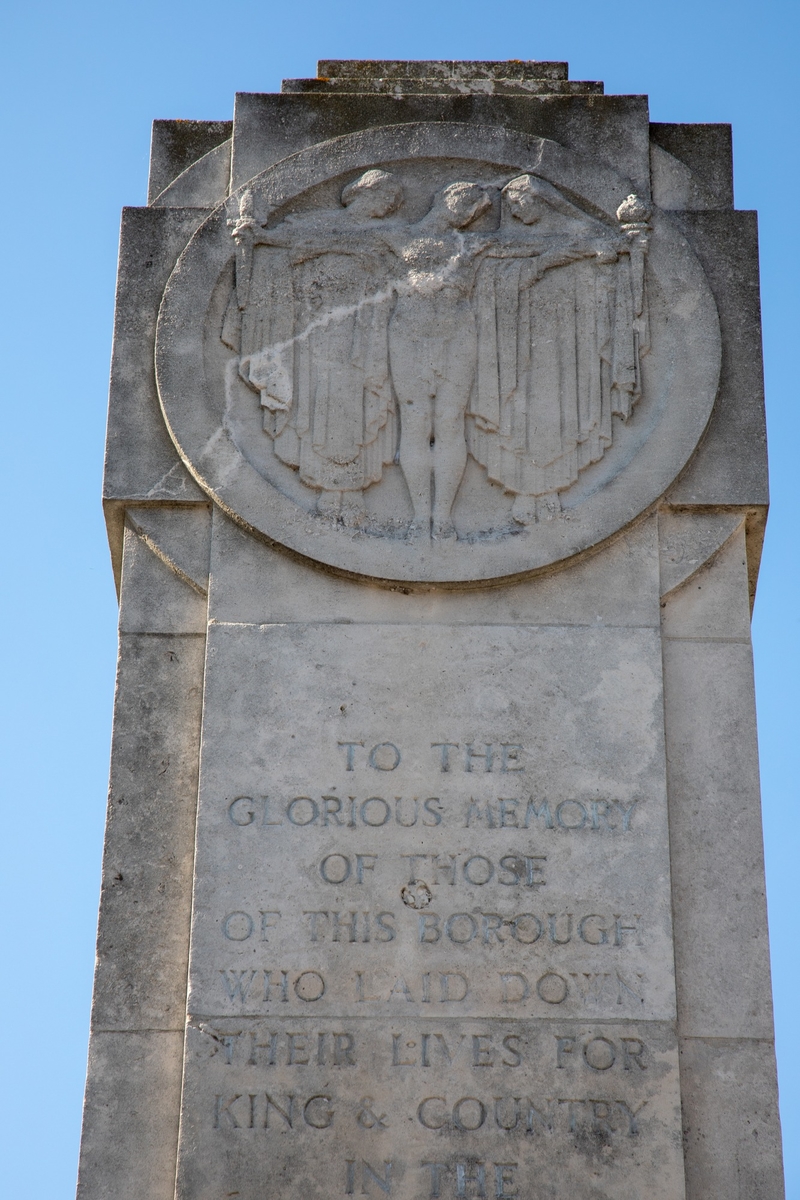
558,356
344,400
313,342
267,356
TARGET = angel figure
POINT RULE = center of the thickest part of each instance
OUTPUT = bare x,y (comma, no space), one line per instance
448,344
434,336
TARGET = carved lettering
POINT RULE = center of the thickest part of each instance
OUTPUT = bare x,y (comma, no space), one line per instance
596,816
527,1116
556,929
369,1176
239,926
442,987
375,812
266,1111
503,757
509,870
432,1049
351,927
255,1048
262,986
469,1179
554,988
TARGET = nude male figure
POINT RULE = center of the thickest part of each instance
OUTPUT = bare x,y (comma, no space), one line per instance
433,352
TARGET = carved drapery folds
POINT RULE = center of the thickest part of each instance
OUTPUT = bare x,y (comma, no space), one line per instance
560,341
506,323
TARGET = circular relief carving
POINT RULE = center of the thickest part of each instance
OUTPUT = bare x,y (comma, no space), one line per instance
437,353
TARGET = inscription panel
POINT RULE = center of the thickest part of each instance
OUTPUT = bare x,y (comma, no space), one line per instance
429,1108
431,933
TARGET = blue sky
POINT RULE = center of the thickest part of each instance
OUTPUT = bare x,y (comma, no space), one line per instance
81,84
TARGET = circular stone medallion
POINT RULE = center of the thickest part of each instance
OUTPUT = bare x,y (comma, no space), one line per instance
437,353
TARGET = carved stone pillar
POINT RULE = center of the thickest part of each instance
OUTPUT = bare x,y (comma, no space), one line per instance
436,484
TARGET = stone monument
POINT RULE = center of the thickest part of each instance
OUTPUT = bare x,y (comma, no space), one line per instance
436,485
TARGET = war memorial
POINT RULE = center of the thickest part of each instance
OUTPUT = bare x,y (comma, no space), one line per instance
436,485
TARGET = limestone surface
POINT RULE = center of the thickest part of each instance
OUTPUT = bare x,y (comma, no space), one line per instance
436,484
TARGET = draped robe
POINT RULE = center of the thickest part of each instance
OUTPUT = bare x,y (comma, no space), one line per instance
557,358
314,344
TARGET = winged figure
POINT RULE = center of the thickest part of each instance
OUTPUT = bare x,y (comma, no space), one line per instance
517,344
